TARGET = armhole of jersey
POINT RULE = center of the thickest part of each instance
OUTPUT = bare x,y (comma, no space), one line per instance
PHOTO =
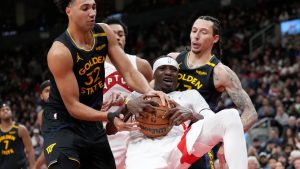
216,61
181,56
67,42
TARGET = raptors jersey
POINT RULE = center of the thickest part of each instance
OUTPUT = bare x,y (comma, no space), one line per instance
114,82
12,154
160,150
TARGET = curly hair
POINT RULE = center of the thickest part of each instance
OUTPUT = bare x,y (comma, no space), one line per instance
62,4
113,20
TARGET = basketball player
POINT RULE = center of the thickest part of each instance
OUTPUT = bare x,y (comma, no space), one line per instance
74,136
201,70
115,86
116,90
45,90
183,145
15,142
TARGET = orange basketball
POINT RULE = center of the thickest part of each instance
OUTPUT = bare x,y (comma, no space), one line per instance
154,125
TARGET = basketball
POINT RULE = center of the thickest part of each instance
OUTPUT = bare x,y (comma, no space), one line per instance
154,125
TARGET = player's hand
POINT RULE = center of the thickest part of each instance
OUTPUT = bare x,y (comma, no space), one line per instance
115,99
163,96
179,114
120,125
221,157
141,107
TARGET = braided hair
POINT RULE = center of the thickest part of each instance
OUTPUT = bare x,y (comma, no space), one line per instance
216,31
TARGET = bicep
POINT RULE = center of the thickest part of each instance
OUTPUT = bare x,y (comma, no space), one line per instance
116,54
61,66
233,87
23,133
144,67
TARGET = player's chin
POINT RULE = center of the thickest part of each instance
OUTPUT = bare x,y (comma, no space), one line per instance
168,88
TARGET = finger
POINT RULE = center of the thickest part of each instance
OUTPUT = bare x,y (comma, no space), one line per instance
172,103
151,102
173,117
169,113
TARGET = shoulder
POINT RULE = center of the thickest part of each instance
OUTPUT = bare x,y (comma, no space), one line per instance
22,130
58,49
59,57
106,29
174,55
224,76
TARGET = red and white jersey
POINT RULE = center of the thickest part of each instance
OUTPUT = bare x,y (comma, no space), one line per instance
114,81
141,148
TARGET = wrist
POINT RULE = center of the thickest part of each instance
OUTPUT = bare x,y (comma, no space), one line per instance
111,116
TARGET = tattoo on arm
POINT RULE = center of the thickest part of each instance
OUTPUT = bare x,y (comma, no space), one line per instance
241,99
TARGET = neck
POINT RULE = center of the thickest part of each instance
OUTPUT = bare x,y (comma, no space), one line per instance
198,59
6,124
81,37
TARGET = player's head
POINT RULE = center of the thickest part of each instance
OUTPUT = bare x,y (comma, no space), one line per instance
205,35
5,112
165,74
81,13
119,29
45,90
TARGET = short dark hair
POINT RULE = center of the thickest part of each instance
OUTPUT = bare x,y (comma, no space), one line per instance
113,20
62,4
45,84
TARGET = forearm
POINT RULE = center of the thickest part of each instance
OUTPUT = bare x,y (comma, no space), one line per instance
40,161
243,102
30,156
137,81
86,113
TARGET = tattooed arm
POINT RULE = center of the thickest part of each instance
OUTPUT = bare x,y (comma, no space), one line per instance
226,79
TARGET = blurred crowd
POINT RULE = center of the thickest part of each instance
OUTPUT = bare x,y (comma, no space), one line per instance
270,75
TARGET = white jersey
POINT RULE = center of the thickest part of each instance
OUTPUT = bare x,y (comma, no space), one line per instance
114,82
182,146
158,150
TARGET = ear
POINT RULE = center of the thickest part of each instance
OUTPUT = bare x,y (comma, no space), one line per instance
68,10
216,38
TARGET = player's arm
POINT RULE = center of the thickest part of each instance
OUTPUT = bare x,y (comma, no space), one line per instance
225,78
40,161
60,63
23,133
132,76
144,67
173,55
39,118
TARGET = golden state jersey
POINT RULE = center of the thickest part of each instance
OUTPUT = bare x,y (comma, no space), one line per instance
88,68
12,154
200,79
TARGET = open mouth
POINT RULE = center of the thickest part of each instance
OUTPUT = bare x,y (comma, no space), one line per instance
168,81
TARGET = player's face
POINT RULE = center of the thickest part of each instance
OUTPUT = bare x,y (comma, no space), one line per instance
45,93
82,13
202,38
166,77
5,112
120,34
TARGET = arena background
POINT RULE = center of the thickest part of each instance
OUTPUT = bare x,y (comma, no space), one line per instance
261,43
